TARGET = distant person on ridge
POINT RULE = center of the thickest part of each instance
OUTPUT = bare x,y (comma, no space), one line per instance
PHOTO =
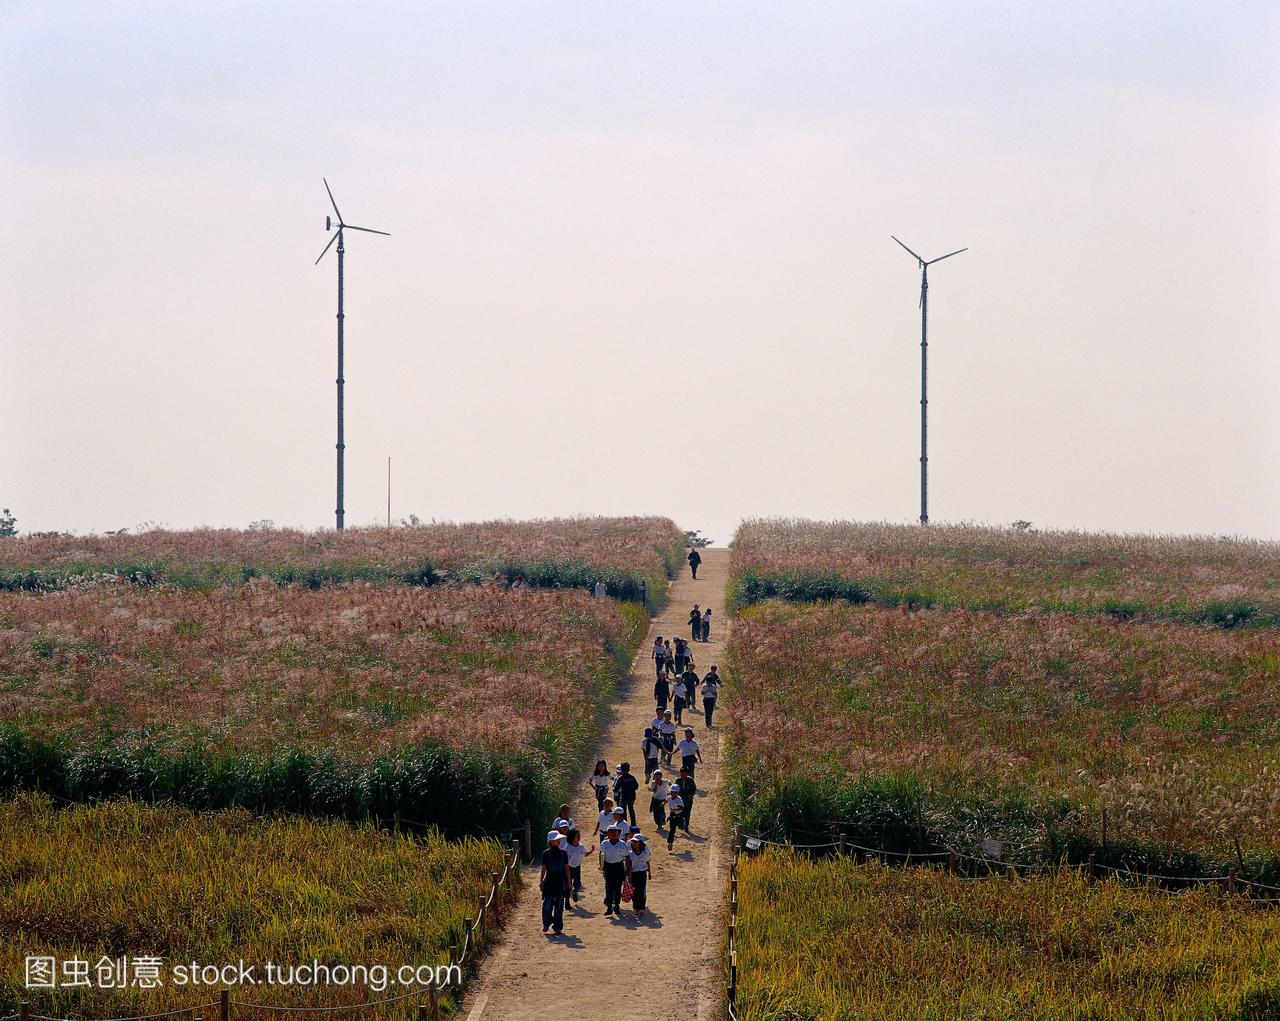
695,558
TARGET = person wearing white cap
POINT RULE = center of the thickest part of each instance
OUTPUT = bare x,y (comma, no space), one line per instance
613,856
667,733
553,882
577,851
660,788
564,827
675,809
639,862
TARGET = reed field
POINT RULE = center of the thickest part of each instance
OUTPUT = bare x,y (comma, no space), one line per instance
626,553
124,879
837,941
1224,581
468,707
1018,726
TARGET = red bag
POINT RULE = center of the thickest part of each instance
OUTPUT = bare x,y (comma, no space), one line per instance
628,891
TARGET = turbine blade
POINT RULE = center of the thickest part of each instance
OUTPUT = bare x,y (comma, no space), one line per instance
367,230
336,234
331,202
909,252
947,256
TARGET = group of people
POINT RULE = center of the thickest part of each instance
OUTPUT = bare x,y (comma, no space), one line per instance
677,684
624,853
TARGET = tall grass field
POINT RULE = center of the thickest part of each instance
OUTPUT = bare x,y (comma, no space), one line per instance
631,555
131,880
832,940
1222,581
461,706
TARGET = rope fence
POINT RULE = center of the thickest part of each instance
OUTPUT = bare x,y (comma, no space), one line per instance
474,929
731,1005
1231,882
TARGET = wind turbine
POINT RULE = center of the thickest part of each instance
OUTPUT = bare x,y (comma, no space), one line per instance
924,376
328,225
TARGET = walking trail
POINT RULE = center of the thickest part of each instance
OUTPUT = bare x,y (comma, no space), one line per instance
667,964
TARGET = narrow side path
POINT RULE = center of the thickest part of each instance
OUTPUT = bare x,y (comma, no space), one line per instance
666,965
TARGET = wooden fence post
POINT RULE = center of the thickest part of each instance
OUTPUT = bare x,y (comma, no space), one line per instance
396,818
737,836
951,860
497,877
467,925
513,873
422,1012
528,840
1104,827
1090,872
842,843
435,1000
224,1004
733,977
1231,880
24,1010
453,956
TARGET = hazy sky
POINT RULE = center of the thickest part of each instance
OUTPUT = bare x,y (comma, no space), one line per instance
641,261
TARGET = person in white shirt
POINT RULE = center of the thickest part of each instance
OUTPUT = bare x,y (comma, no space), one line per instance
658,801
659,655
613,857
650,748
601,781
577,852
690,752
601,591
667,733
563,819
639,869
675,809
607,818
706,624
710,691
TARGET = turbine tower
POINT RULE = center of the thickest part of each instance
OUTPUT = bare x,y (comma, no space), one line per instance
328,225
924,374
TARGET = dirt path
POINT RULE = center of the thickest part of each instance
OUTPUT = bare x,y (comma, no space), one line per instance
668,964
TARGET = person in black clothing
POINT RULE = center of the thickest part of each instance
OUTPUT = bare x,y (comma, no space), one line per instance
662,693
624,790
688,789
695,558
651,748
695,623
690,681
613,859
553,883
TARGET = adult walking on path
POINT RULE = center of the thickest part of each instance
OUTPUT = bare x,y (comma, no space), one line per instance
695,559
579,974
